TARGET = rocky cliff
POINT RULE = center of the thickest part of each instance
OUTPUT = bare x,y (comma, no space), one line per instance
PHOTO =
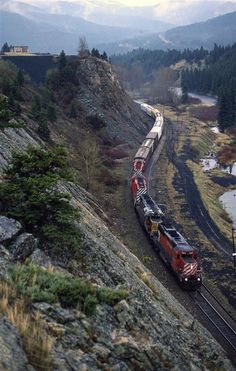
101,92
148,330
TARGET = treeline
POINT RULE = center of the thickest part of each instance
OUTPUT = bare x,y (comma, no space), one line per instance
151,60
217,77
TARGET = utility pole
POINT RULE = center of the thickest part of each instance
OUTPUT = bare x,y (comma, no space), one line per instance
234,252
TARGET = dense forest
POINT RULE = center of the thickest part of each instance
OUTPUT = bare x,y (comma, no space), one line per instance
216,77
204,71
150,60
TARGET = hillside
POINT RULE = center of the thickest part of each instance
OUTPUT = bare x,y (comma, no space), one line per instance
98,308
220,30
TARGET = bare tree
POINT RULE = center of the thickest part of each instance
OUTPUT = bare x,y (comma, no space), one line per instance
163,80
90,161
136,76
83,49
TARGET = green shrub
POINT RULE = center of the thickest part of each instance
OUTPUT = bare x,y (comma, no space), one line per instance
29,195
43,285
90,305
111,297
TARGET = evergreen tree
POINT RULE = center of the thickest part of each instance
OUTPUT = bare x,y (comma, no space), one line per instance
20,78
5,48
5,113
62,62
225,115
43,129
51,112
73,113
36,108
29,194
95,53
6,86
104,56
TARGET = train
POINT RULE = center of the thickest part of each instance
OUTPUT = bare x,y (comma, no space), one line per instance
173,248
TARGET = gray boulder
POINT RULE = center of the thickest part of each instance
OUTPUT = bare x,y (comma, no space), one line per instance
12,355
5,261
9,228
23,246
38,257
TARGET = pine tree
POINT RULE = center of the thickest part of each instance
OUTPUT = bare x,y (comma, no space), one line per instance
62,62
104,56
43,129
36,108
225,110
73,113
5,48
51,112
20,78
29,194
5,113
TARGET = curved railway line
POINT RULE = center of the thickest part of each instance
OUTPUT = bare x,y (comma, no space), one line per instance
221,324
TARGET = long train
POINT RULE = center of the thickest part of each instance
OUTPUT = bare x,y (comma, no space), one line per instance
173,248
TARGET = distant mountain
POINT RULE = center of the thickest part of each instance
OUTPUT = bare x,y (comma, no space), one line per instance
220,30
104,13
52,33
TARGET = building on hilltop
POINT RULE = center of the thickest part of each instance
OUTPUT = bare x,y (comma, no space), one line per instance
19,49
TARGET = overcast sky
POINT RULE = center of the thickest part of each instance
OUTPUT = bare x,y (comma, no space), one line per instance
173,11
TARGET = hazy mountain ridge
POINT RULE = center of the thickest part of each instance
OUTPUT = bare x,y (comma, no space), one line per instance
219,30
52,33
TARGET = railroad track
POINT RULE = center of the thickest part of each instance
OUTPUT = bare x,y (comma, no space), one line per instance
222,323
221,320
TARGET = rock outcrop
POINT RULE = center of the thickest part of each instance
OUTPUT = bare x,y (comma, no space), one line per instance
101,93
12,355
9,228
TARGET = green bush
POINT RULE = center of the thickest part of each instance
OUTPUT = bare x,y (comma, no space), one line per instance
42,285
106,295
30,195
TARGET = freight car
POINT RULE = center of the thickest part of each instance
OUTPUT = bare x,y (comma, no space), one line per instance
138,166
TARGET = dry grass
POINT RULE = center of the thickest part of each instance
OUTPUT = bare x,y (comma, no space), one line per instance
37,344
146,277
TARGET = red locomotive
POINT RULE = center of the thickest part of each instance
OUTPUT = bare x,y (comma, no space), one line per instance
180,256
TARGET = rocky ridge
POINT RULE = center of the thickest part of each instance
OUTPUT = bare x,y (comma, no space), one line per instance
101,93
